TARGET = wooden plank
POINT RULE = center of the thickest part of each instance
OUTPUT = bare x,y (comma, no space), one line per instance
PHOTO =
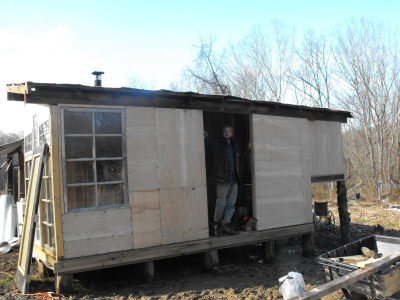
56,175
98,245
152,253
348,279
180,145
183,214
141,145
98,223
326,148
282,182
146,223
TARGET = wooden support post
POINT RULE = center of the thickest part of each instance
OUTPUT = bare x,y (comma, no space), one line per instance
42,270
148,271
9,184
211,260
64,283
269,251
21,176
344,215
308,244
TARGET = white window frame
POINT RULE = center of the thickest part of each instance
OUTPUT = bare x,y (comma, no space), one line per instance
94,159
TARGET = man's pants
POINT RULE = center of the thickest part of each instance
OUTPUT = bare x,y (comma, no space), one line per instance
225,202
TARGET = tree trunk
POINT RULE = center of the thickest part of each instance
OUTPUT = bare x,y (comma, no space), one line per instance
344,215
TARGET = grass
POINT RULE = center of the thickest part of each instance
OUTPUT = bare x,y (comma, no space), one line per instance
9,280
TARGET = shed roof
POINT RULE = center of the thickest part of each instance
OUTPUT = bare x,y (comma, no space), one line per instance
53,94
11,148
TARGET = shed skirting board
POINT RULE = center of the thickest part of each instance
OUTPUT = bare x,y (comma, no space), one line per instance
87,263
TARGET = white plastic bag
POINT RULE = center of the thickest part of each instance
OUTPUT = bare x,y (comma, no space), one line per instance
292,285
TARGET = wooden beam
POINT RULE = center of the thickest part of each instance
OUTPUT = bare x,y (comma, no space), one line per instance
348,279
328,178
56,175
344,214
102,261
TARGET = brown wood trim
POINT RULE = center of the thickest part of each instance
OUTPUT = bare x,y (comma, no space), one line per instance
55,157
81,264
327,178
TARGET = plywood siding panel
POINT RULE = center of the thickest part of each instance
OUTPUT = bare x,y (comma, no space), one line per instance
84,230
326,148
141,145
99,245
180,144
146,222
306,169
279,156
93,224
183,214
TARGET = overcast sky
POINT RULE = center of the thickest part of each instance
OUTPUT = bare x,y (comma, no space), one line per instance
64,41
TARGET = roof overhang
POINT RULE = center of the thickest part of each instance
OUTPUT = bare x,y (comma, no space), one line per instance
53,94
11,148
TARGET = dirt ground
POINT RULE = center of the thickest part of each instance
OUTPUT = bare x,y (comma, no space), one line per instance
184,277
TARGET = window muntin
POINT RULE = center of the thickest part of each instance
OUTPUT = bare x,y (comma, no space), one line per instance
93,158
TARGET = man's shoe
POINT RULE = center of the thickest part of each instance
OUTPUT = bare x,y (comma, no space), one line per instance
228,229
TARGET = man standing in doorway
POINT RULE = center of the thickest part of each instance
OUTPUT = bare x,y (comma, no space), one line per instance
223,156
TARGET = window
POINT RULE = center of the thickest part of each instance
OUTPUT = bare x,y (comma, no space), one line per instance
28,167
93,150
44,134
28,143
46,207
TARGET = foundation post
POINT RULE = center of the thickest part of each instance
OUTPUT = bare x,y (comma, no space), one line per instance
148,271
42,269
269,251
344,215
308,244
211,260
64,283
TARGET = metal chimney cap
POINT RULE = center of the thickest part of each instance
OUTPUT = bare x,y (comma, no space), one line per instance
97,73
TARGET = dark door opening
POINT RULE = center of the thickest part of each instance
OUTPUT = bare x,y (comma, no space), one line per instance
213,124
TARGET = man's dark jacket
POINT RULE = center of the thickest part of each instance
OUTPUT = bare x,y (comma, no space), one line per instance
217,159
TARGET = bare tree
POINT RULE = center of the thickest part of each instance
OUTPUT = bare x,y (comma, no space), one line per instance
366,60
260,64
312,79
207,74
135,80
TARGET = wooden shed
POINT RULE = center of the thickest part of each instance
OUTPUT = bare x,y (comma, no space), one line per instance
125,176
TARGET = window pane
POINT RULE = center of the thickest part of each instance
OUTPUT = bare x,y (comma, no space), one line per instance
46,170
46,212
77,122
44,136
107,123
107,146
78,147
109,170
28,165
28,142
51,237
80,172
45,235
81,196
46,189
49,208
112,194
